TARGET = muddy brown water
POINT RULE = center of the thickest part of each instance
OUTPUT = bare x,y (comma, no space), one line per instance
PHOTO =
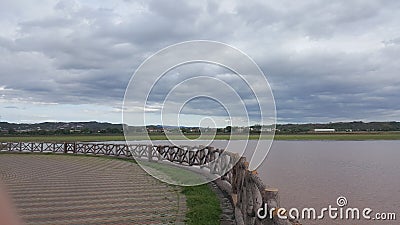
315,173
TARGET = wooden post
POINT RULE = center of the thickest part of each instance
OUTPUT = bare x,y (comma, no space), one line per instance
239,216
271,194
159,152
149,148
271,197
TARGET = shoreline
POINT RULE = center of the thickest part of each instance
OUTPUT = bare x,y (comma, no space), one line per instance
279,137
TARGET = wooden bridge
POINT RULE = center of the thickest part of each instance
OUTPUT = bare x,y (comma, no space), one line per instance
182,154
244,188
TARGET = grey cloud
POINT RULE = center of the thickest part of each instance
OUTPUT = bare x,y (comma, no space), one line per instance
76,52
394,41
177,9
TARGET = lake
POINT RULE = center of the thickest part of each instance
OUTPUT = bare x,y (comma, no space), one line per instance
315,173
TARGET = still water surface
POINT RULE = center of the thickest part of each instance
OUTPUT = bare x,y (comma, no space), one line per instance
315,173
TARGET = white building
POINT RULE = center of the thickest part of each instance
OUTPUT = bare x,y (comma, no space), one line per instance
324,130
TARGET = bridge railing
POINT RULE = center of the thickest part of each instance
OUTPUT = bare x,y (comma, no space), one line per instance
245,189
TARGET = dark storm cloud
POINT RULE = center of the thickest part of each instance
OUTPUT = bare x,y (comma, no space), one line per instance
325,61
345,87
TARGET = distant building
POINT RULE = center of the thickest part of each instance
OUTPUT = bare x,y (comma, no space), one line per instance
266,129
324,130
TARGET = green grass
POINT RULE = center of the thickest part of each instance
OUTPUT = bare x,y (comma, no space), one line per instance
94,138
341,137
203,205
173,174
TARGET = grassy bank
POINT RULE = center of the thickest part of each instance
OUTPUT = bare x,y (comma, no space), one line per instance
94,138
203,205
342,137
172,174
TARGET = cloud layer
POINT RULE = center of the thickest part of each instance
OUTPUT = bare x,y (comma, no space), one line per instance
326,61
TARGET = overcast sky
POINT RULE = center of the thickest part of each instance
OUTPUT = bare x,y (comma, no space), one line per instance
325,60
